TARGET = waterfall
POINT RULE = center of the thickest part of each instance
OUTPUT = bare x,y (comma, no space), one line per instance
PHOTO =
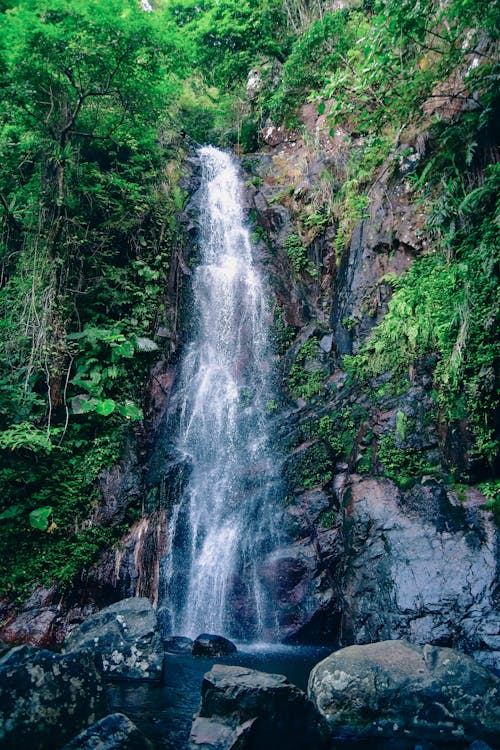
224,523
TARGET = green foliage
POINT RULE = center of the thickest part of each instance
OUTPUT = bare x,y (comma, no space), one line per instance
283,333
350,202
311,467
402,425
404,465
102,368
297,254
39,518
85,227
314,53
303,384
229,34
447,305
89,189
27,436
329,519
491,490
43,531
365,465
307,375
13,511
401,50
340,429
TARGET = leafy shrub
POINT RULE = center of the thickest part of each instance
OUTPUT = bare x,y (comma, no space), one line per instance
306,377
311,468
315,53
404,465
297,255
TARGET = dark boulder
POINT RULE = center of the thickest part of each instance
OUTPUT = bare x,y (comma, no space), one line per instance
114,732
46,696
212,645
213,734
394,689
178,644
245,709
126,637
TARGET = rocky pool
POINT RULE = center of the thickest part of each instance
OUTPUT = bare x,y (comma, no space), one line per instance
164,711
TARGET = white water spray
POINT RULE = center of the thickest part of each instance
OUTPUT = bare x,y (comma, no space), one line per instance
223,527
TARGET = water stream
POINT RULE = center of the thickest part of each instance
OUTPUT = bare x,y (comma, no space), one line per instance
224,525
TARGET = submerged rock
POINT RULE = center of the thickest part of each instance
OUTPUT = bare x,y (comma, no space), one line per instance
212,645
46,696
126,637
114,732
395,689
243,708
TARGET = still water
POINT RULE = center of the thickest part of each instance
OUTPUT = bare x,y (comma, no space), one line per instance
164,712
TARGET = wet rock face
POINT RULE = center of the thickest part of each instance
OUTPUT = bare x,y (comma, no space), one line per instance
250,710
34,623
299,579
114,732
44,695
126,637
395,689
419,568
386,242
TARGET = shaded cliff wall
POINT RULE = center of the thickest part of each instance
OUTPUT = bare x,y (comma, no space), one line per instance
388,535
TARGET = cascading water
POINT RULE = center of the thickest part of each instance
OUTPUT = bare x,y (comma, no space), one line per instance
223,526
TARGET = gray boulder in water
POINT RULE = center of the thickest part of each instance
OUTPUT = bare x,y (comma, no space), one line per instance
114,732
243,709
126,637
46,698
212,645
396,689
178,644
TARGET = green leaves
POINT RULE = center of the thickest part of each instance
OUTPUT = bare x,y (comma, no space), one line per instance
89,187
101,369
297,254
315,54
39,518
26,436
130,410
105,407
125,349
228,35
82,404
13,511
445,310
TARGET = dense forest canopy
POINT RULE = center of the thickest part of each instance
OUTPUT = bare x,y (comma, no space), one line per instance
100,99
